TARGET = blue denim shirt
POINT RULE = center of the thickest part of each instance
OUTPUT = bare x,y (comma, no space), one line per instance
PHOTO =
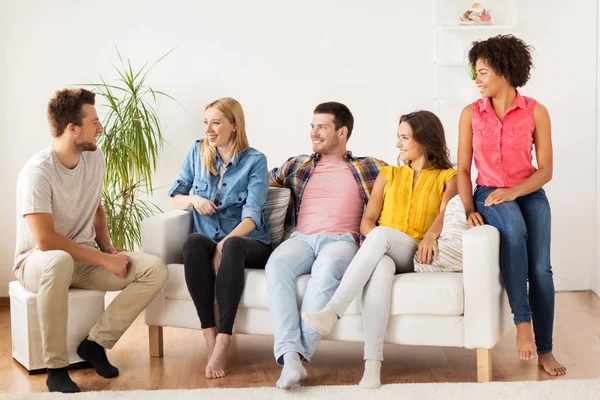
243,192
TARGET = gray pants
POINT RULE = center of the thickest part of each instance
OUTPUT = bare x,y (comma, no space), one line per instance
51,273
384,253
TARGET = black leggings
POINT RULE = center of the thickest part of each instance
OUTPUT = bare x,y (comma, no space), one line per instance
238,253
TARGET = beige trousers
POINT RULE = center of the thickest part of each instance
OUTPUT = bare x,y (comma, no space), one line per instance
51,273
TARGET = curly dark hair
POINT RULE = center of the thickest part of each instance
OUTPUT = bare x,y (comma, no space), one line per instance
428,131
65,108
508,55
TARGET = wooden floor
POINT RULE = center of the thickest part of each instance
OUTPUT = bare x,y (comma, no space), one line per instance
576,340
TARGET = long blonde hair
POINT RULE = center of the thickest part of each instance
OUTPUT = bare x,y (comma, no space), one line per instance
232,110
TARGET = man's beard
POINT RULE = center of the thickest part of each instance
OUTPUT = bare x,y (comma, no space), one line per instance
85,146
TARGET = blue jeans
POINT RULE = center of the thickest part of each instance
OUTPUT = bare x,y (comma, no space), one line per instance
524,226
325,257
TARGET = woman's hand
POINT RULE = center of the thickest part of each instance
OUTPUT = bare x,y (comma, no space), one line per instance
203,206
474,219
500,196
428,249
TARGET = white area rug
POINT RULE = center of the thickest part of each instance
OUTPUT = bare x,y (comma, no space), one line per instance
559,389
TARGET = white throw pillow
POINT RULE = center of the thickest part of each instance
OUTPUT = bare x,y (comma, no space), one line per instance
450,247
275,209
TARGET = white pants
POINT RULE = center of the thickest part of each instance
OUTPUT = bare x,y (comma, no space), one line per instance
384,253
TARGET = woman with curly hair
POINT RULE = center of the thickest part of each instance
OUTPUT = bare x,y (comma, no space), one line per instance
499,131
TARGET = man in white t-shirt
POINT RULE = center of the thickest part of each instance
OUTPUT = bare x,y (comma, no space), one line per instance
63,241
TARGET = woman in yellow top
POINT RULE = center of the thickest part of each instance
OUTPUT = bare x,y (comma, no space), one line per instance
404,215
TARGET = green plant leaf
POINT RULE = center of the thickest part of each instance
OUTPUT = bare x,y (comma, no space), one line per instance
131,143
472,72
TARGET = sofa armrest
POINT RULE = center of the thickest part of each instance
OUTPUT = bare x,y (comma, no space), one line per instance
164,235
487,313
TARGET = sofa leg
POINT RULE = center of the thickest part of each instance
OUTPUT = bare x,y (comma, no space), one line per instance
484,365
155,334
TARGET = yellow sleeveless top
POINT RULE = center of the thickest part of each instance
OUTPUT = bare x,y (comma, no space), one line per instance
412,209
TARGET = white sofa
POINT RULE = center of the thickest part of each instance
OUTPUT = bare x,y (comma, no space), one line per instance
468,309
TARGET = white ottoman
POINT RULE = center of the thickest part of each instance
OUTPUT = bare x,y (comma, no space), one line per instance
85,307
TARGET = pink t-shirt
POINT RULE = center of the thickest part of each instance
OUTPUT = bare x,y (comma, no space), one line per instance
331,202
502,149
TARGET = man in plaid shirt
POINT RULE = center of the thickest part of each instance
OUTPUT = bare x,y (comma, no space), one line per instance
330,190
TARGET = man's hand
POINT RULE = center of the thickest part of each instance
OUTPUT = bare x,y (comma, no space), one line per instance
112,250
117,264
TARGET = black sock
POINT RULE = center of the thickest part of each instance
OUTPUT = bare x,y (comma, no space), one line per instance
95,354
60,381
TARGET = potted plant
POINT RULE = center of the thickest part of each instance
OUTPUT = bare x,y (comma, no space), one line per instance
131,143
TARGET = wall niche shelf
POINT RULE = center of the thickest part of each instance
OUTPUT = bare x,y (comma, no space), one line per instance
453,87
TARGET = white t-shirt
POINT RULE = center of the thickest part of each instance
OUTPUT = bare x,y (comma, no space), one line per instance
72,196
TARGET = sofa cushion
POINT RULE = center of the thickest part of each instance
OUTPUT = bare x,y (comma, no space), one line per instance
450,245
437,293
275,208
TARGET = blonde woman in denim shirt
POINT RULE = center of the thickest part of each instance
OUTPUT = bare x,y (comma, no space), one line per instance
225,181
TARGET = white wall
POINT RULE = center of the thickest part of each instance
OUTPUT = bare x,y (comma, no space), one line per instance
280,60
596,266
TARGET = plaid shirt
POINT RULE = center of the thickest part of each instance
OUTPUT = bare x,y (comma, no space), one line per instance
296,171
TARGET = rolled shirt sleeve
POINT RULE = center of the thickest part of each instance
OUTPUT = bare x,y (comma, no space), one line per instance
277,175
185,179
258,185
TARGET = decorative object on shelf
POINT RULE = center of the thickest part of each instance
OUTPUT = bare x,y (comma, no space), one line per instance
476,15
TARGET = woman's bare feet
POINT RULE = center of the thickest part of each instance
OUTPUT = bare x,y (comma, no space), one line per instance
210,336
525,342
550,365
218,360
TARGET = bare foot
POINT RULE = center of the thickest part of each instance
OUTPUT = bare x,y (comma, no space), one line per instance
525,342
550,365
210,336
216,365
